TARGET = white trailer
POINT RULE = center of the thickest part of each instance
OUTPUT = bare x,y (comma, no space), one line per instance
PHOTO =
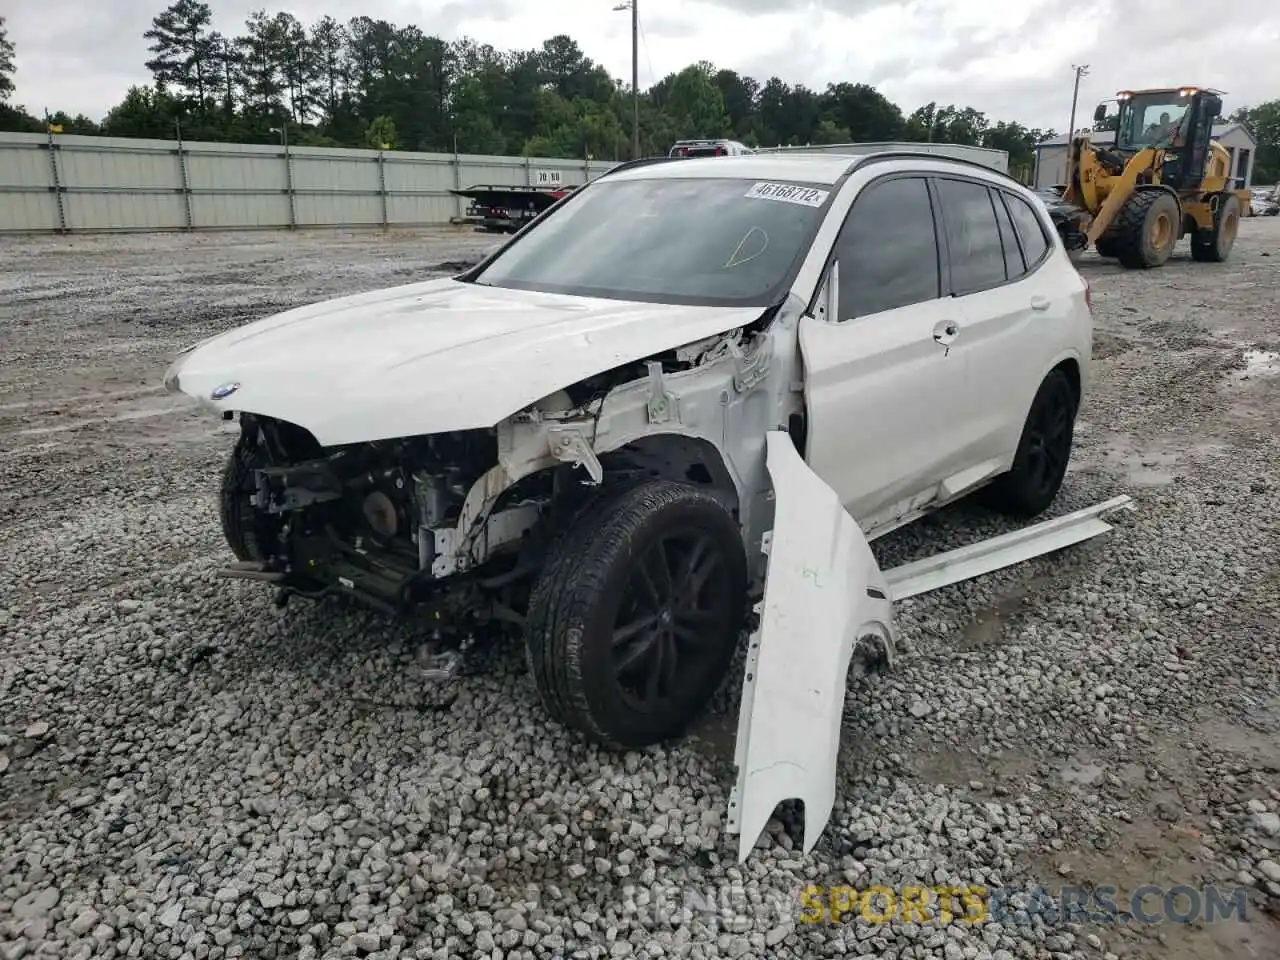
995,159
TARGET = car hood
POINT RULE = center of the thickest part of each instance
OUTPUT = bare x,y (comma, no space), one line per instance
429,357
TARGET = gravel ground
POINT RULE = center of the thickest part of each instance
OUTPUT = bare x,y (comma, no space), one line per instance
186,772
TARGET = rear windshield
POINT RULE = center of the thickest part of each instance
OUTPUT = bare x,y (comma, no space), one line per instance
698,241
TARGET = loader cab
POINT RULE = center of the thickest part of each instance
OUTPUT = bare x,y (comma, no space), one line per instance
1177,120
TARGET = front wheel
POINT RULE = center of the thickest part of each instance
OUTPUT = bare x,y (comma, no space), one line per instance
637,613
1044,450
248,532
1106,247
1146,229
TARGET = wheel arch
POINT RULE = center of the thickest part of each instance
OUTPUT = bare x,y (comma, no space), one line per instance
1070,367
678,456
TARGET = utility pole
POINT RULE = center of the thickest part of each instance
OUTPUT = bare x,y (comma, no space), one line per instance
1081,71
633,6
635,79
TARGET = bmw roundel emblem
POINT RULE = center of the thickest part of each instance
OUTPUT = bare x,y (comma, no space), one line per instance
224,391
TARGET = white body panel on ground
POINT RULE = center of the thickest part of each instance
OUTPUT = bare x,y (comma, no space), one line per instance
823,593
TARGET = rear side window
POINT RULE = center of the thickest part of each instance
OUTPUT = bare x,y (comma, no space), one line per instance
973,238
1013,265
1030,229
888,250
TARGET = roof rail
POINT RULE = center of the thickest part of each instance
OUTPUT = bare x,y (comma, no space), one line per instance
868,158
641,162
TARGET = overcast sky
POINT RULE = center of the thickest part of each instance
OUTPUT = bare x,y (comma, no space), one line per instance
1011,60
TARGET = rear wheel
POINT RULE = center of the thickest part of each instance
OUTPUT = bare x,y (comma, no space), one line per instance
637,613
1044,450
1146,229
1214,246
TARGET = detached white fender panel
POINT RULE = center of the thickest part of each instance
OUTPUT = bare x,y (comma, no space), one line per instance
824,593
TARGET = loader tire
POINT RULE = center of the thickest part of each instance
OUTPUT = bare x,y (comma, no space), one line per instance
648,583
1146,229
1044,450
1214,246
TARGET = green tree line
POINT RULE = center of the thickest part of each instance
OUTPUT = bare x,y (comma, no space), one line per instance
368,82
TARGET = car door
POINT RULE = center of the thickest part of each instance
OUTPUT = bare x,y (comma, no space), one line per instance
997,312
881,381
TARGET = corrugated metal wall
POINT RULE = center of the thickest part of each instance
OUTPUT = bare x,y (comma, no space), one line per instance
66,184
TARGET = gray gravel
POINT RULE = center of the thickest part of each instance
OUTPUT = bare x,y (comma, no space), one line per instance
186,772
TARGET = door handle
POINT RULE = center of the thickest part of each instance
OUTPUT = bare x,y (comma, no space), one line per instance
1039,303
946,331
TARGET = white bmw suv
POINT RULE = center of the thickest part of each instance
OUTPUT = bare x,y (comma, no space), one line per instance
684,379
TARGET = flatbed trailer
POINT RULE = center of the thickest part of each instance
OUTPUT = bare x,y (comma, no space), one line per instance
501,208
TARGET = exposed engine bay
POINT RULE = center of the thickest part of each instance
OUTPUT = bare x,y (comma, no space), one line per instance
456,522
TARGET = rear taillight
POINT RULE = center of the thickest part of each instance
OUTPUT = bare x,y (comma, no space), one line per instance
1088,294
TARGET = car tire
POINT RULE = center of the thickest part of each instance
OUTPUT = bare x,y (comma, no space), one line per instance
1146,229
1044,451
1214,246
248,532
608,569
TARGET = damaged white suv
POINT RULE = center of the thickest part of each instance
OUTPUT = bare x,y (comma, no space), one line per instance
583,436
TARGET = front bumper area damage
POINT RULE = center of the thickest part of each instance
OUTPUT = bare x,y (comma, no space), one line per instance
442,521
826,601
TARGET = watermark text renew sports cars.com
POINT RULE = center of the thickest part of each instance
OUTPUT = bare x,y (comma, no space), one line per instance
1099,904
732,907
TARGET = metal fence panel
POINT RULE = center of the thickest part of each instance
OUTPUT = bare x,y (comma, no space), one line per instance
247,210
123,209
57,183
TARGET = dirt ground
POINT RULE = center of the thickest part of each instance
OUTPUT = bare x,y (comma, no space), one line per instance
1153,787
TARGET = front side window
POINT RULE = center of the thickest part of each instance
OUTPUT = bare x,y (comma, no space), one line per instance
973,238
698,241
888,250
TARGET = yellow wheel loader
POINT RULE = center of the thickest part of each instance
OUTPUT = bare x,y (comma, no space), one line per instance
1163,178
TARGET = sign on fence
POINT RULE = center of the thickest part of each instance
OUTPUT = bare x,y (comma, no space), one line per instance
546,178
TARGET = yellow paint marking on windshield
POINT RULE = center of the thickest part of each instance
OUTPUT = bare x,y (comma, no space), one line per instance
733,260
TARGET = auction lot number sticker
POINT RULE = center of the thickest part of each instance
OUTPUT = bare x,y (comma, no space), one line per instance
788,193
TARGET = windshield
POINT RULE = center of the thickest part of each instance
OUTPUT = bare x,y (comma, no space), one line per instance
1151,119
696,241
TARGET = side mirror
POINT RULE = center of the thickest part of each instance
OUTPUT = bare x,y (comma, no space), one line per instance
1100,114
1215,107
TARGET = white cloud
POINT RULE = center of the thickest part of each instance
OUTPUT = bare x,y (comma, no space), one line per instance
1011,61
